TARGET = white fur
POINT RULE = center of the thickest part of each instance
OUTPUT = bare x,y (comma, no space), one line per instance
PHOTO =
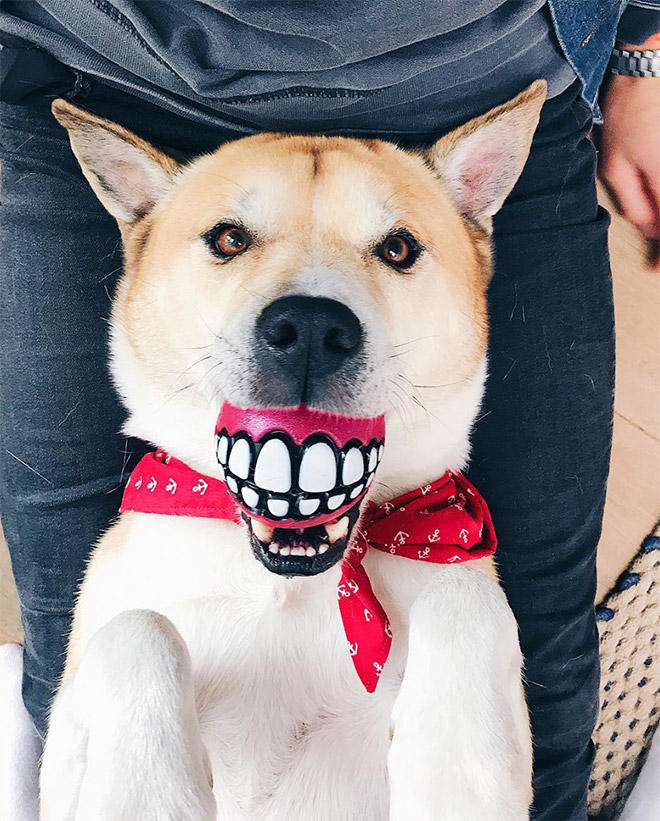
287,727
201,685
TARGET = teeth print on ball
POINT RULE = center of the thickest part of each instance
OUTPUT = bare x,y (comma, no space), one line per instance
278,479
308,506
353,469
250,497
273,470
239,459
318,470
278,507
222,448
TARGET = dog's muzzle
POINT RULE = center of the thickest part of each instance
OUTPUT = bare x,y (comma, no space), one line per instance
299,475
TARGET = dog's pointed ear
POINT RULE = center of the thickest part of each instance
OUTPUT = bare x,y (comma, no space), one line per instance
128,174
481,161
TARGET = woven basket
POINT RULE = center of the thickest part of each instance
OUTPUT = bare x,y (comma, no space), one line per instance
629,628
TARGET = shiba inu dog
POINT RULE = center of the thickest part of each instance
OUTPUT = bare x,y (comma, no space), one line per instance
301,327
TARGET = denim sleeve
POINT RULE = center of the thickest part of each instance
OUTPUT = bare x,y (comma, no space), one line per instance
639,21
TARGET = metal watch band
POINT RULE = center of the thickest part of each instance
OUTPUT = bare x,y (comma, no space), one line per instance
635,63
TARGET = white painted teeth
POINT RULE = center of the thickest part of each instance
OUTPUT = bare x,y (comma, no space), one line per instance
318,471
285,550
336,501
284,480
323,548
221,450
353,469
308,506
273,469
298,551
239,459
278,507
250,497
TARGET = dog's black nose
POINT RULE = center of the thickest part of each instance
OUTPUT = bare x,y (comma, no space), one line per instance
308,336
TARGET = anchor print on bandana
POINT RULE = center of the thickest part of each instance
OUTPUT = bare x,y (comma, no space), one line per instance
426,524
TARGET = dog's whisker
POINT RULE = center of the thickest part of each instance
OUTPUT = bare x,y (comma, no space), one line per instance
417,339
254,293
174,393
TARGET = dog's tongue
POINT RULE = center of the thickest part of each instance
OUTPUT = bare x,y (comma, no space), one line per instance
297,467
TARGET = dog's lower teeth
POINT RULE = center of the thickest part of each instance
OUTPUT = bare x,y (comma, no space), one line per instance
285,550
274,548
337,530
323,548
310,551
298,551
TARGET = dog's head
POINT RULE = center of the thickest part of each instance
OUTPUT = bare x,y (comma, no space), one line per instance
347,277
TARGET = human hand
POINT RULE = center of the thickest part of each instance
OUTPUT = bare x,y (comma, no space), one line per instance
629,161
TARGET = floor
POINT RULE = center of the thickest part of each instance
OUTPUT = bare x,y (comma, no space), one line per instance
633,501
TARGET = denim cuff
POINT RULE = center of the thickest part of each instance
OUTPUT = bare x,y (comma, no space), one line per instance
638,22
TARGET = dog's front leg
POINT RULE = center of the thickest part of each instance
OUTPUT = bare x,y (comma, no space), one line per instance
124,741
461,747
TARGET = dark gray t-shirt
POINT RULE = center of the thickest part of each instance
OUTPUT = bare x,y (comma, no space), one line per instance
372,65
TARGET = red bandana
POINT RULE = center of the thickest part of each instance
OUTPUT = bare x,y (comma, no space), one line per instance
444,522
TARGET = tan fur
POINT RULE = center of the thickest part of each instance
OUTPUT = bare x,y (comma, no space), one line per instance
189,589
304,227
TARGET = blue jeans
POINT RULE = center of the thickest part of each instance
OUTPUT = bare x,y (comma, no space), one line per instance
541,446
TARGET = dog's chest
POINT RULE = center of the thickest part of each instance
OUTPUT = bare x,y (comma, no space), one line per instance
282,711
285,719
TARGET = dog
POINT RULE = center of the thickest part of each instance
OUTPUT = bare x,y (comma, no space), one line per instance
208,674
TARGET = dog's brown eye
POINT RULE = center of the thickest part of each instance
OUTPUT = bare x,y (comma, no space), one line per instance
400,250
228,240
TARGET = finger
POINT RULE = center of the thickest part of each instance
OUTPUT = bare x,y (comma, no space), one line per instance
653,255
628,187
652,188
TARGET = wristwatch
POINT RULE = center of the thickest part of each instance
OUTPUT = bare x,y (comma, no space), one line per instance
635,63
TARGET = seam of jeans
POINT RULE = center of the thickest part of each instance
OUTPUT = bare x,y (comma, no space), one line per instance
303,91
44,611
33,677
592,31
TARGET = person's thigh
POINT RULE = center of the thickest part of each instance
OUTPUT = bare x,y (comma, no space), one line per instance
542,445
62,458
